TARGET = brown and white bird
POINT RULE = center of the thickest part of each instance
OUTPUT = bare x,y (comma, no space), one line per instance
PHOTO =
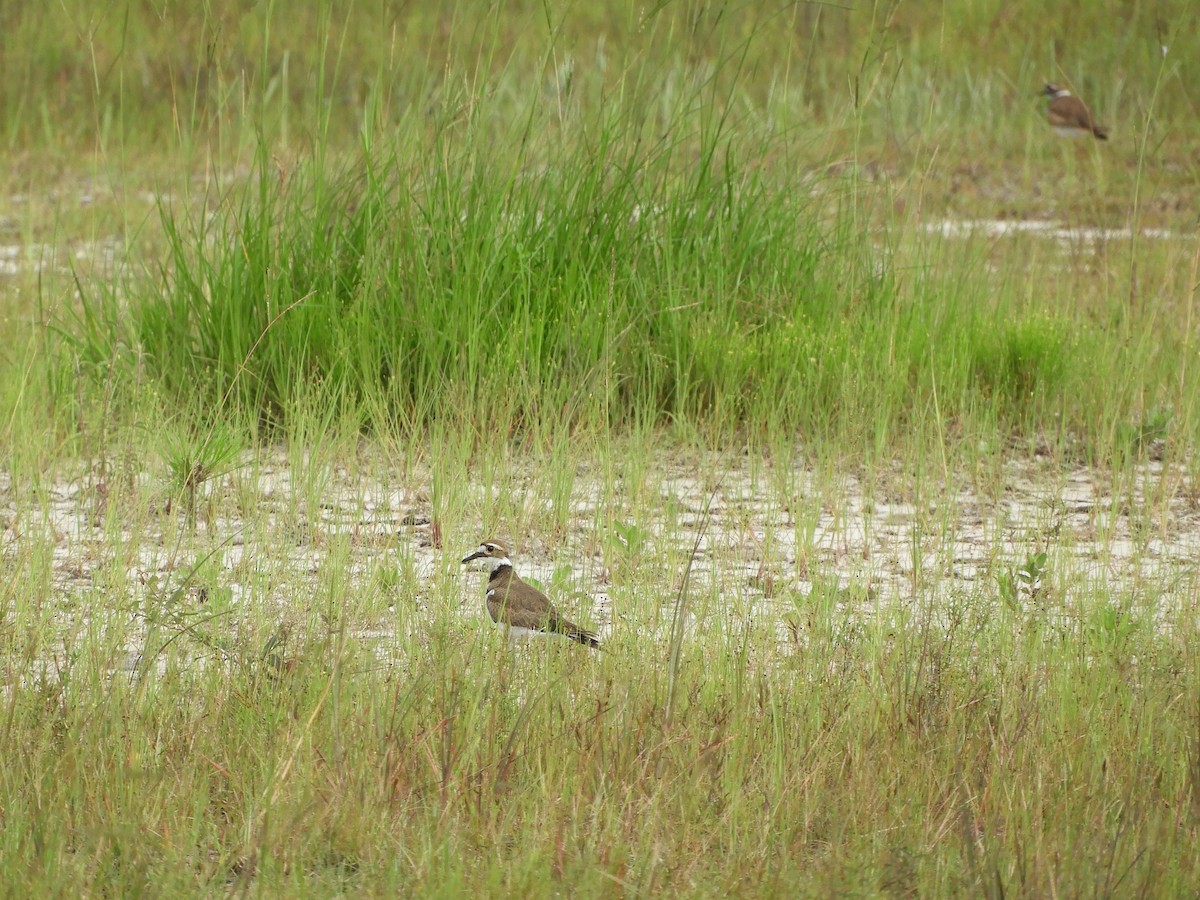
519,608
1069,116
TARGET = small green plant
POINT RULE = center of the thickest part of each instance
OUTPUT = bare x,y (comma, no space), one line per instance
194,458
1027,578
1112,625
1147,434
629,538
626,543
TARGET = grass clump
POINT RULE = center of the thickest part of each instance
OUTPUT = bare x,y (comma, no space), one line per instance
1020,359
604,290
582,293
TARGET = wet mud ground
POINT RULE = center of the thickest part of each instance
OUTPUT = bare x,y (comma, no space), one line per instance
751,543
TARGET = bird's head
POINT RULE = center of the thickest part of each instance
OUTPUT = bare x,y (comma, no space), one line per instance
493,553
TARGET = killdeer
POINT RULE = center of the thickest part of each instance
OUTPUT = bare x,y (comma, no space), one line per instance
519,608
1069,116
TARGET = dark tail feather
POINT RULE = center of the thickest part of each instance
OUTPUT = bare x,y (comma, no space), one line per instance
587,638
1100,133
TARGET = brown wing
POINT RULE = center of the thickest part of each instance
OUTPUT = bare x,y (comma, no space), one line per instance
519,604
524,606
567,628
1070,112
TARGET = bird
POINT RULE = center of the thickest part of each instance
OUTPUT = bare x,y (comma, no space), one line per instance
519,608
1069,116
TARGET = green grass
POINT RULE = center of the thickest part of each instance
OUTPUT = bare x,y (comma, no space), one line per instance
311,298
612,289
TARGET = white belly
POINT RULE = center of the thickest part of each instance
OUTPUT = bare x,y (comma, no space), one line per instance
524,634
